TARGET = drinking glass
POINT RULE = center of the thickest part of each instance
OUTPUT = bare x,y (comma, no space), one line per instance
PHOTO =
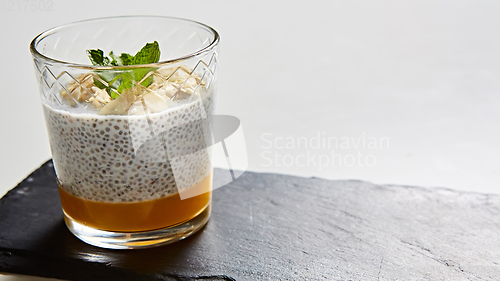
130,143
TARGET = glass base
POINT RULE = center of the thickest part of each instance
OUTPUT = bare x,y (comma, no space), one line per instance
137,240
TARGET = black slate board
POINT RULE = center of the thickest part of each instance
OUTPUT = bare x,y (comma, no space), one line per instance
273,227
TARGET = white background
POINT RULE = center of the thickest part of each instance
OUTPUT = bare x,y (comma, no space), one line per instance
423,74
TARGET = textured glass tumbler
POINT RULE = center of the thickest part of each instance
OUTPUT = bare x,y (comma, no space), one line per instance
130,143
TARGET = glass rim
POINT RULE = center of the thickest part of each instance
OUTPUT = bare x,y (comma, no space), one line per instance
35,53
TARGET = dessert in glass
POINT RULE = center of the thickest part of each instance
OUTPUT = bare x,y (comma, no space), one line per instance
128,104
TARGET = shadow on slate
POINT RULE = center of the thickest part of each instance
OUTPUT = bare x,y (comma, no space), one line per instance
273,227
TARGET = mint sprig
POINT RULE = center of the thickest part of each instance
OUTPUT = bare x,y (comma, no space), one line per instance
121,79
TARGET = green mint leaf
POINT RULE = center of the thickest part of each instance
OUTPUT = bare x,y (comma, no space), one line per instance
127,59
97,57
137,74
122,80
148,54
99,84
123,59
112,93
108,76
116,60
148,81
125,82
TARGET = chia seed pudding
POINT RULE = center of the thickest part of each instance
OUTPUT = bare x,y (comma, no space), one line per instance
138,147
